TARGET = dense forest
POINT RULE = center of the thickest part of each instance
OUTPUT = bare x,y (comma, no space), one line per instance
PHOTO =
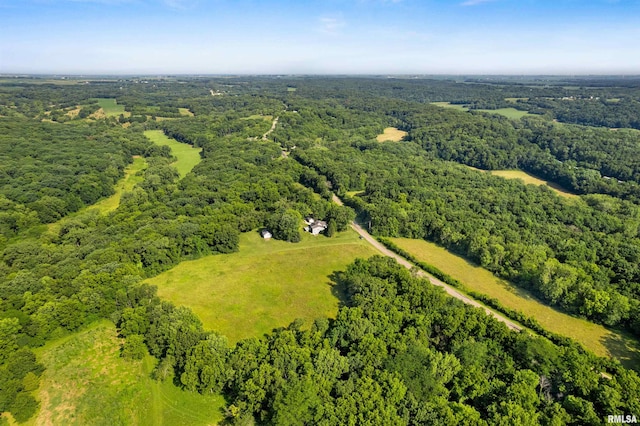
399,350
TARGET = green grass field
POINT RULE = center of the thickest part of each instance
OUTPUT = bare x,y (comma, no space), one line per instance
188,156
110,107
450,105
514,114
185,112
86,382
600,340
267,284
532,180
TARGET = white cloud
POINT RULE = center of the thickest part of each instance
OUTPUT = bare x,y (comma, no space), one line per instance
332,25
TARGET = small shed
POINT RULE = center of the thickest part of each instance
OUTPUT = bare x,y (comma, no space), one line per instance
266,234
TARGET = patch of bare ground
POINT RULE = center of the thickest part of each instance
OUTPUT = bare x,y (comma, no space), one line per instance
98,114
391,134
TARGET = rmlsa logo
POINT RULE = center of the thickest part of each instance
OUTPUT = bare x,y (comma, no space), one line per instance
629,418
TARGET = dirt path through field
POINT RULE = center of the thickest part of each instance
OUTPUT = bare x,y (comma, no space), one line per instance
273,127
404,262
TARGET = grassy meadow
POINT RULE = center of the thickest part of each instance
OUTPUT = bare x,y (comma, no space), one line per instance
186,112
188,156
86,382
126,184
391,134
512,113
600,340
532,180
450,105
267,284
110,107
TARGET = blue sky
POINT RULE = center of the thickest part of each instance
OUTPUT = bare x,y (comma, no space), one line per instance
320,37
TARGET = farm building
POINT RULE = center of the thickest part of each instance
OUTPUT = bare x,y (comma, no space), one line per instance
317,227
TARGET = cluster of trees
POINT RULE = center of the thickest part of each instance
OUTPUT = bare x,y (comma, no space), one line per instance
48,170
581,256
602,112
583,160
400,352
19,374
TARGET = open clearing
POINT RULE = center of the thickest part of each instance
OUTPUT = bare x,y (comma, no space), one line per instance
450,105
110,107
86,382
258,117
267,284
109,204
126,184
602,341
532,180
391,134
528,179
188,156
514,114
185,112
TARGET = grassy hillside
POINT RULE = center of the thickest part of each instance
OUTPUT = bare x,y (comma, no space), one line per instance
596,338
267,284
532,180
188,156
86,382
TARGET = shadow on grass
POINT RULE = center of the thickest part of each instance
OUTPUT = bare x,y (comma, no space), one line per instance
624,347
339,288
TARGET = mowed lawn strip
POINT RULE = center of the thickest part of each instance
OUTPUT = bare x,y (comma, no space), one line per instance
391,134
267,284
86,382
188,156
600,340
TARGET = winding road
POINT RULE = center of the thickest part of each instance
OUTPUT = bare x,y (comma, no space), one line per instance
404,262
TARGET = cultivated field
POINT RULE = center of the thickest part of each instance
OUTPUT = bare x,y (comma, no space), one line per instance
532,180
597,338
391,134
267,284
188,156
86,382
